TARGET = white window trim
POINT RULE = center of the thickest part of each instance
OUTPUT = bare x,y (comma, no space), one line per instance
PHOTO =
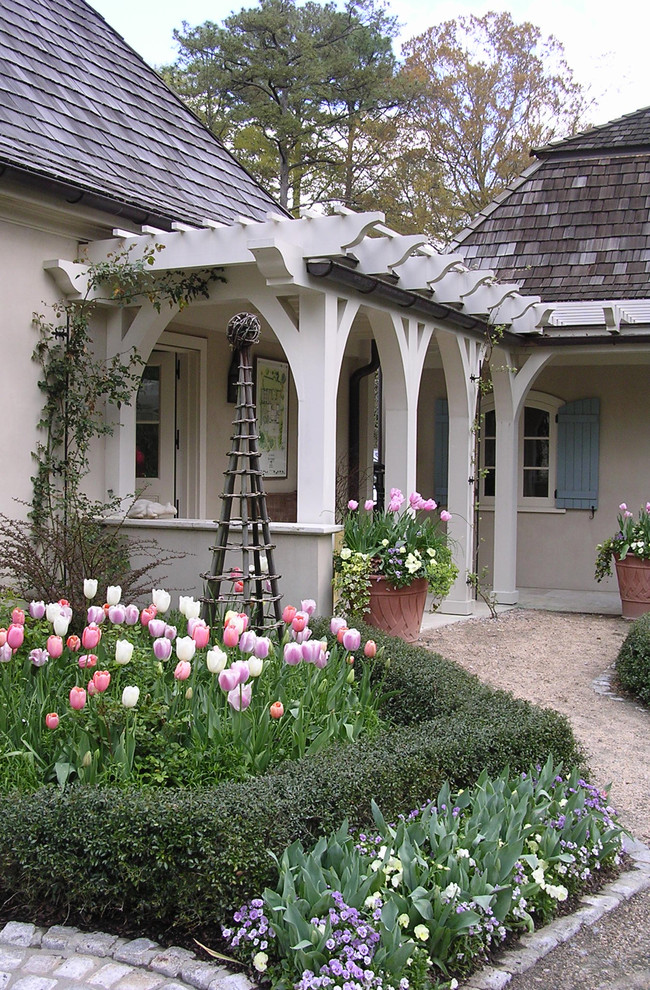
550,404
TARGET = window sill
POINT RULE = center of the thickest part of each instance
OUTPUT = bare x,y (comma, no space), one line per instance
548,509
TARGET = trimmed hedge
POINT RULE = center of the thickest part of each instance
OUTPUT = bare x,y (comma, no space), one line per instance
633,661
166,861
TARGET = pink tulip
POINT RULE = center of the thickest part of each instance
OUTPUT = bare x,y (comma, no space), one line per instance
117,614
77,698
292,654
183,670
445,516
15,635
308,606
415,500
73,643
170,633
87,660
147,614
369,505
54,646
3,636
201,636
6,653
101,680
337,623
322,659
91,636
92,690
243,618
156,628
241,669
623,507
351,639
230,635
370,649
288,613
353,505
311,650
228,679
52,720
299,622
429,505
162,648
240,697
39,657
238,587
18,616
301,637
131,615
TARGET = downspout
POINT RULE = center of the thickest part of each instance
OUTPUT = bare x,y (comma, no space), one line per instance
354,419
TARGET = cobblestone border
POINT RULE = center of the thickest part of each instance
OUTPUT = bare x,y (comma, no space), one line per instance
63,957
531,948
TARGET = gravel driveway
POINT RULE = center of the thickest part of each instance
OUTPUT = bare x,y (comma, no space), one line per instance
564,661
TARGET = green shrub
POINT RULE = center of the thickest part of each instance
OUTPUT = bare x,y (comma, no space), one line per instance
633,661
171,861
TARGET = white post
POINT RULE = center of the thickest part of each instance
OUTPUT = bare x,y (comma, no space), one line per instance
461,361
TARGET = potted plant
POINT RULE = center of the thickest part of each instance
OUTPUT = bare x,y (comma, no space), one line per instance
387,561
629,548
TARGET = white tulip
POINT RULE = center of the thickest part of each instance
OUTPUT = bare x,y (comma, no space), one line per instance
161,599
182,602
130,696
52,611
113,594
192,609
90,588
215,660
123,652
255,665
185,647
61,624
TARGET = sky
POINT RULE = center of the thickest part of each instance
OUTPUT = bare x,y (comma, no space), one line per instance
606,44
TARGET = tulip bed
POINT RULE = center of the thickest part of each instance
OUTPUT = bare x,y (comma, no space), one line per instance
138,698
110,856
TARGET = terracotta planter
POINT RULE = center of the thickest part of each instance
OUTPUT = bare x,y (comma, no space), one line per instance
397,611
633,575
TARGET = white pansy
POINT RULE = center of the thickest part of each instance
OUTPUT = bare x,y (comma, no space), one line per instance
451,891
403,921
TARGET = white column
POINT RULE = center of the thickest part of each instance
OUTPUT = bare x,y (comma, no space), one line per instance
511,386
461,361
402,343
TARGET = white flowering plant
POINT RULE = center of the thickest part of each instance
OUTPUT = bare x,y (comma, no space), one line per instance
632,537
403,543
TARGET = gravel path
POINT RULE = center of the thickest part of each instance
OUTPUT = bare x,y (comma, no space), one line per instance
565,661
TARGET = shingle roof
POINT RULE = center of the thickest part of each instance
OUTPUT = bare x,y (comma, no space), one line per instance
78,105
576,225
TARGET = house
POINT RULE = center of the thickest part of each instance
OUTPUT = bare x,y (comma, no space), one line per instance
575,230
97,155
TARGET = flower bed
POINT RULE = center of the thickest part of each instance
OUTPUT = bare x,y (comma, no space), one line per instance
428,898
106,856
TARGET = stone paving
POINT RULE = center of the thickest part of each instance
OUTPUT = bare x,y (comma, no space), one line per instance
63,958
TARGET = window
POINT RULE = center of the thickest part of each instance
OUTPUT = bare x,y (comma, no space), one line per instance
147,430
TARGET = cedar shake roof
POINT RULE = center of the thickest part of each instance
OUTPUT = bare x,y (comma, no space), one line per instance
79,106
576,224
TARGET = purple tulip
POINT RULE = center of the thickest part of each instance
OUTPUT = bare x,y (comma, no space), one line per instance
292,654
117,614
322,659
39,657
157,628
262,647
162,648
351,639
311,650
37,610
191,623
247,641
6,653
95,614
170,633
336,623
308,605
131,615
228,679
242,670
240,697
302,637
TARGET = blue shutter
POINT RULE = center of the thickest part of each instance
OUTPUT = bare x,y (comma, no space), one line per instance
577,455
441,451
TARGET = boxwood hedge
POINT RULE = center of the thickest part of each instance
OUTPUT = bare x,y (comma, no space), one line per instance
633,661
176,862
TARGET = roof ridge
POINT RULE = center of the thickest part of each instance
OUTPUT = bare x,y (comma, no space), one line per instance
597,130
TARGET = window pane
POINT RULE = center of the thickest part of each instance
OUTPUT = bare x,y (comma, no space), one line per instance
489,482
489,452
535,453
490,424
536,422
148,401
147,437
535,484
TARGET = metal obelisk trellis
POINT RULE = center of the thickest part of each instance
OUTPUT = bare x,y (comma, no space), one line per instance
251,584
